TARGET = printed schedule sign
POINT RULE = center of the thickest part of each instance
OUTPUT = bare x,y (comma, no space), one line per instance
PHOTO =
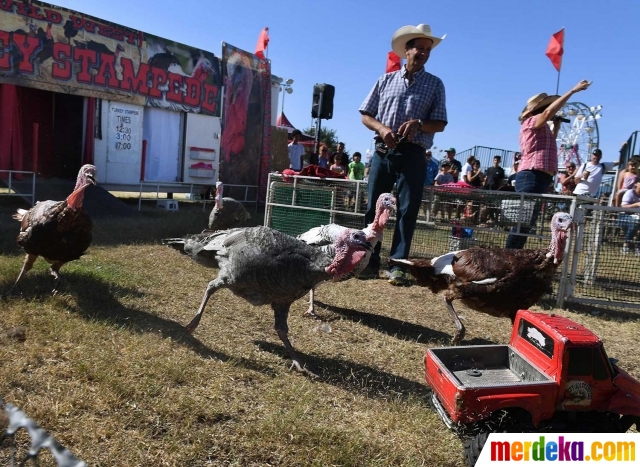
125,132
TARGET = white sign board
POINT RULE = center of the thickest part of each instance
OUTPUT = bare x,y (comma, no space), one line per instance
123,142
125,134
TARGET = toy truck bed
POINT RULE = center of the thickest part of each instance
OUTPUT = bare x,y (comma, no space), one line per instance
471,382
487,365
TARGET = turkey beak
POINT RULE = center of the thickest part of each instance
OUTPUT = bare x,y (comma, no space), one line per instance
92,179
367,246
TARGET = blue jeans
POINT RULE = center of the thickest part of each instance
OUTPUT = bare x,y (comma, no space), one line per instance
405,166
630,225
528,181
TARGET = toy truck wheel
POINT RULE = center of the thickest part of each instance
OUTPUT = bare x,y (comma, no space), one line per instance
473,447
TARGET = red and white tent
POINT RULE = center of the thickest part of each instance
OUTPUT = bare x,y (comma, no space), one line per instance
283,122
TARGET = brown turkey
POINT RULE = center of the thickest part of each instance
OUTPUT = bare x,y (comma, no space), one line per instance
59,231
496,281
227,212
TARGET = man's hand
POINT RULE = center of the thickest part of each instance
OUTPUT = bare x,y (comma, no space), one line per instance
388,137
409,129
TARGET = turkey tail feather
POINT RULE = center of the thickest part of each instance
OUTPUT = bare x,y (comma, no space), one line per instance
424,273
20,214
175,243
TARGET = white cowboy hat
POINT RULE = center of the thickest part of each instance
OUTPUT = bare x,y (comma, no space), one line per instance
406,33
536,102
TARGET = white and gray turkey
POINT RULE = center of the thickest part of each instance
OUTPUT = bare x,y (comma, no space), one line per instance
59,231
266,267
227,212
327,234
496,281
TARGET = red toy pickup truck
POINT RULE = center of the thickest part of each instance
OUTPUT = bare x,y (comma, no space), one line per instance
554,376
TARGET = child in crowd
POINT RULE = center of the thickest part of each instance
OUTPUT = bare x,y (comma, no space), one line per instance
337,167
443,177
356,168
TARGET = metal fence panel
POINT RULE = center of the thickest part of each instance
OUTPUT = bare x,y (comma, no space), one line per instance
451,218
602,272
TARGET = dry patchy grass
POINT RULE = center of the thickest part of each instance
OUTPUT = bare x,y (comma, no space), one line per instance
109,370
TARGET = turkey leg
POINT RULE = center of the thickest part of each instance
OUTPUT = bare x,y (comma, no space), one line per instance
55,272
310,311
460,330
211,288
280,314
26,266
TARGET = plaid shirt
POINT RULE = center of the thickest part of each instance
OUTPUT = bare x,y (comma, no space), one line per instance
393,101
538,146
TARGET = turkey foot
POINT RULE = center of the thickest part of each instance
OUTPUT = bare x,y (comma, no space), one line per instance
296,366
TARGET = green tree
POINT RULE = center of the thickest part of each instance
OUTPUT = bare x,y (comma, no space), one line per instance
327,136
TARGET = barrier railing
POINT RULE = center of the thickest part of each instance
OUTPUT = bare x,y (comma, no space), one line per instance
196,192
23,186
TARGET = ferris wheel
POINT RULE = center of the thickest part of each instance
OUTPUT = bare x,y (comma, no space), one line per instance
578,135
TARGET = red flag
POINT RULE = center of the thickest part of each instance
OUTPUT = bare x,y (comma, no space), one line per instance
393,62
263,43
555,50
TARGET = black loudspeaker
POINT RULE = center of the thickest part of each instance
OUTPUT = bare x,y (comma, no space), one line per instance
323,93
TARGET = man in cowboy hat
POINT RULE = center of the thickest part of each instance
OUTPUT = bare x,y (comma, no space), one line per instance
539,162
405,108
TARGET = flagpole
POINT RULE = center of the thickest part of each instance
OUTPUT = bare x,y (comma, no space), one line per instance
558,84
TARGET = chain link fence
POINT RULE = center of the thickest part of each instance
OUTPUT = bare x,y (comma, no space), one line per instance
605,265
23,440
595,270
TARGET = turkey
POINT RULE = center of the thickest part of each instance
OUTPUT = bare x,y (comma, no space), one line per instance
496,281
227,212
59,231
326,235
266,267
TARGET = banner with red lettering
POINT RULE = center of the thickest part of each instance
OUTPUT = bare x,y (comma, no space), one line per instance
47,47
246,97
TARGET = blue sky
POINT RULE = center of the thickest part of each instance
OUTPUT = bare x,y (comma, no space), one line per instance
492,60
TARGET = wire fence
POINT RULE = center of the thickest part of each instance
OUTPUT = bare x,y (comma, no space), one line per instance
605,265
23,440
595,269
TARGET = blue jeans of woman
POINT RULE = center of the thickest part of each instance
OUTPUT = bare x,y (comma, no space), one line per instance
630,225
406,167
528,181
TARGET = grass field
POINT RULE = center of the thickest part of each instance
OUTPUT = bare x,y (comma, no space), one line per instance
109,370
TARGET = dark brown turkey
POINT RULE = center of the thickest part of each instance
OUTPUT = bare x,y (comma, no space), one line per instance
59,231
227,212
496,281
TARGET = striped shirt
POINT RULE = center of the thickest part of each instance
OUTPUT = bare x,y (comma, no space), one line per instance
392,101
538,146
